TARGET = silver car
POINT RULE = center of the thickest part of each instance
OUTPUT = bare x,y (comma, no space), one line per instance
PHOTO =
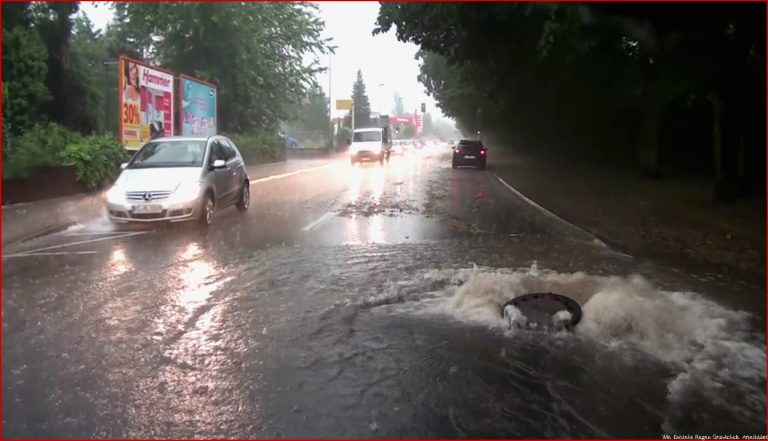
178,179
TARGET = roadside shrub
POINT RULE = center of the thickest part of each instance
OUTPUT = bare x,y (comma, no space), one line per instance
43,145
259,148
342,136
97,159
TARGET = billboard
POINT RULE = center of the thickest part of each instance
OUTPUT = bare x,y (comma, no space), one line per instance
146,103
198,107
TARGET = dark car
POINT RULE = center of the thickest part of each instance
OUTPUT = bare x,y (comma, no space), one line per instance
471,153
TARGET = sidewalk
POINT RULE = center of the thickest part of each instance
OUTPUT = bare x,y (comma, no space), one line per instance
27,220
673,221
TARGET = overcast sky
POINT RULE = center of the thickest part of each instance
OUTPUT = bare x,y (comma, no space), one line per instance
383,59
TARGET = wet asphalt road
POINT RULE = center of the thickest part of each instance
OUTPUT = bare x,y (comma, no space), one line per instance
364,302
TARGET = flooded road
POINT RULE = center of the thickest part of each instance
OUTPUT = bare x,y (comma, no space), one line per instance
364,302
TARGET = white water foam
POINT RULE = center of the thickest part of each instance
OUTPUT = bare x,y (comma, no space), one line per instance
713,349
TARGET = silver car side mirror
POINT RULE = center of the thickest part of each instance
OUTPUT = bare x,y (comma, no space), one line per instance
123,165
219,163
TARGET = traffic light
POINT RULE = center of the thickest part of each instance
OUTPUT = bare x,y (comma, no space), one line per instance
423,108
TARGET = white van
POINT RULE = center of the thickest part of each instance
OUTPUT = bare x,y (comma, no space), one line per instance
371,144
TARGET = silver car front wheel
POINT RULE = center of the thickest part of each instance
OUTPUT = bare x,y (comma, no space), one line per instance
245,198
208,210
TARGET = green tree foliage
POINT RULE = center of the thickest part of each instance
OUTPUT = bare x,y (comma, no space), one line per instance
362,105
313,113
53,22
96,159
24,71
606,81
41,145
399,108
254,52
85,78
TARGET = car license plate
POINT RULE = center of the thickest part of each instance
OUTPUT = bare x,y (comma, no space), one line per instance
147,208
469,156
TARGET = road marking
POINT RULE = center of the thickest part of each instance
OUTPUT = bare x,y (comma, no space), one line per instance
319,221
118,236
61,253
549,213
297,172
96,233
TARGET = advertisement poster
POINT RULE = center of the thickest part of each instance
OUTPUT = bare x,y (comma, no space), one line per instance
198,107
146,103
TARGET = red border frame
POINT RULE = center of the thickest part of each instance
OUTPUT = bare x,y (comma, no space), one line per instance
180,92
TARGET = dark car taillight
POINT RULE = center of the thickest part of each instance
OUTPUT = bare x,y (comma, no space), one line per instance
457,151
482,152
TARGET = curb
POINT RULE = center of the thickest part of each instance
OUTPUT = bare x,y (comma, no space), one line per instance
550,214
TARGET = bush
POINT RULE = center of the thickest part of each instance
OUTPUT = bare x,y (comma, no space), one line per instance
97,159
259,148
43,145
342,136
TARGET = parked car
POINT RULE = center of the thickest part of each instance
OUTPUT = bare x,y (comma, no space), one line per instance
179,179
469,152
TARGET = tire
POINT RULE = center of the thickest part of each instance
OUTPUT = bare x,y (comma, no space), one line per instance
352,161
381,159
207,210
453,164
245,197
481,166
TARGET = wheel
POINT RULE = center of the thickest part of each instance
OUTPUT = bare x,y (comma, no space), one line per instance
481,166
207,211
453,164
352,160
381,159
245,197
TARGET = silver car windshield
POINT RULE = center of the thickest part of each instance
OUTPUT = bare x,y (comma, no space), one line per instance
170,154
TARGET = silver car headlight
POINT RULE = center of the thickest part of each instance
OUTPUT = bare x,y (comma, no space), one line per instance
116,194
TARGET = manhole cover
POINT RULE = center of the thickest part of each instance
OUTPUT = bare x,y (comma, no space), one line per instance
546,310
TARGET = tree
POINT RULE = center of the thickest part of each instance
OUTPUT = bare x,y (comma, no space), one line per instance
84,79
53,22
607,77
254,52
24,71
314,112
362,105
399,108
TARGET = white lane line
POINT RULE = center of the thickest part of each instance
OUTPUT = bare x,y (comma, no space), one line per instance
83,242
319,221
95,233
297,172
61,253
549,213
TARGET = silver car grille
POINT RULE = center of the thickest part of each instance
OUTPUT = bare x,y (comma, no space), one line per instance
146,195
